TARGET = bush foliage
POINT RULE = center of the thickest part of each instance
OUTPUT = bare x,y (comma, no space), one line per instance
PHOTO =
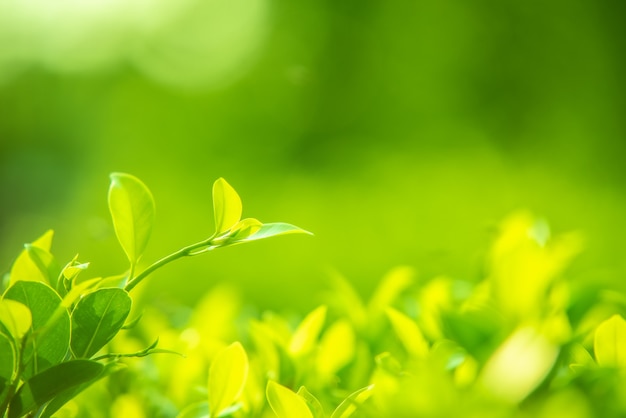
524,342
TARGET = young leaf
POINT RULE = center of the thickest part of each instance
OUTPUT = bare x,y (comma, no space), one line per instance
610,342
352,402
408,332
336,348
43,387
45,262
227,377
132,208
275,229
285,403
312,402
15,317
51,330
226,206
307,333
97,318
24,267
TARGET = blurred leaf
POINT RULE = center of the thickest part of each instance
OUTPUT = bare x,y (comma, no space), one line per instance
306,335
610,342
312,402
196,410
226,206
43,387
353,402
520,364
388,363
25,268
51,333
336,348
132,208
97,318
286,403
391,286
15,317
408,332
227,377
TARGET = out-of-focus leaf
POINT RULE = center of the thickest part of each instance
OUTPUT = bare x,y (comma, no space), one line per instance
97,318
227,377
520,364
610,342
286,403
43,387
196,410
394,283
226,206
25,268
306,335
336,348
312,402
353,402
132,208
275,229
15,317
51,329
408,332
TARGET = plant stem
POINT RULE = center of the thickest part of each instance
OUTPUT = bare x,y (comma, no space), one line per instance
183,252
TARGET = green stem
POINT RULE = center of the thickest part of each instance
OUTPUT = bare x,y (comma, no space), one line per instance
183,252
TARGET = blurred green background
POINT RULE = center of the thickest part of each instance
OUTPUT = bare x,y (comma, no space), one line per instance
399,132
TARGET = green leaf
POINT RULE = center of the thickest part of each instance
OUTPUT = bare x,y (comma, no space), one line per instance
285,403
275,229
15,317
610,342
43,387
227,377
132,208
50,326
226,206
408,332
352,402
336,348
70,393
7,360
24,267
97,318
312,402
306,335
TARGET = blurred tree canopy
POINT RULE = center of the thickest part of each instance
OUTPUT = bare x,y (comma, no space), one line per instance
399,132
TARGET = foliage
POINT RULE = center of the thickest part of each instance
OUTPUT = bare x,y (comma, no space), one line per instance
55,327
526,341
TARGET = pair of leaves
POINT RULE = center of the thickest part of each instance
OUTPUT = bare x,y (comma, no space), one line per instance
35,263
288,404
230,229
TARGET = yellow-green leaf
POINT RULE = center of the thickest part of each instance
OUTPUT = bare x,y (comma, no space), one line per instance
312,402
352,402
408,332
15,317
610,342
307,333
132,208
275,229
286,403
336,348
25,268
227,377
226,206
